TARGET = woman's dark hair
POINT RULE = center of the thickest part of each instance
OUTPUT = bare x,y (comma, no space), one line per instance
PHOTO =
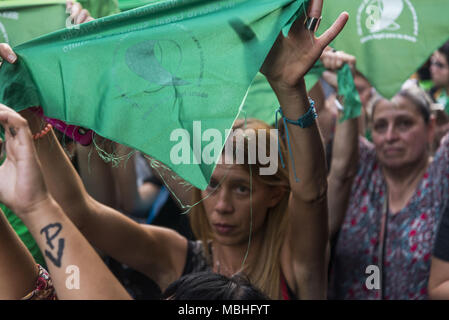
212,286
445,51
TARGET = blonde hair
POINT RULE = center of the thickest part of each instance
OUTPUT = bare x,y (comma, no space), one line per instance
265,272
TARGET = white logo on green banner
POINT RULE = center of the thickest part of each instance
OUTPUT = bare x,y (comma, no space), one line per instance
387,19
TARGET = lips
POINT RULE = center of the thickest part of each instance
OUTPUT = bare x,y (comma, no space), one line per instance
393,151
223,229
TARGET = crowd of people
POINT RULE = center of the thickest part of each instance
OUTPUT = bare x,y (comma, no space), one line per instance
367,219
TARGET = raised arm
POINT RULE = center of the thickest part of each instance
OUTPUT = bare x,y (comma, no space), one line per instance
345,155
305,248
23,189
17,267
157,252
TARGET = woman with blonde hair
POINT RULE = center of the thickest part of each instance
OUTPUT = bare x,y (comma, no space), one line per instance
273,228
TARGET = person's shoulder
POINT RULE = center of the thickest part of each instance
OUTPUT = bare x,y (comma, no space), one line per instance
443,149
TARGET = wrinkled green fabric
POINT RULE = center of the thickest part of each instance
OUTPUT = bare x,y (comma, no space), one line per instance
137,76
262,103
100,8
346,89
23,20
391,39
131,4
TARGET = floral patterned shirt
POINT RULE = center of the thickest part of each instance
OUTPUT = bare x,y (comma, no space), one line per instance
409,235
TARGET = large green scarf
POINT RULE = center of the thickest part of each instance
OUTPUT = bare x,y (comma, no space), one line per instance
137,76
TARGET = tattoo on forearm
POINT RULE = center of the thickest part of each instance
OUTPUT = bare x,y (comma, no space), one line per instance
51,232
12,131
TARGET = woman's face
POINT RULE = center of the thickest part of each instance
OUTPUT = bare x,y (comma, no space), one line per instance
439,69
400,133
228,207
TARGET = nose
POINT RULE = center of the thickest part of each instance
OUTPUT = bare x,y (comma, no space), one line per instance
433,69
224,201
391,134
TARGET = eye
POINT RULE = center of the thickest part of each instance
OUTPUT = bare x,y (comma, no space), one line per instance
380,126
213,184
241,189
404,124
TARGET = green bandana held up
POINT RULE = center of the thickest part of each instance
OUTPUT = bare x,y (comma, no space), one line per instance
391,39
443,99
346,89
143,77
23,20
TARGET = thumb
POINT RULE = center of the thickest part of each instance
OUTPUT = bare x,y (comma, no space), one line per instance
331,33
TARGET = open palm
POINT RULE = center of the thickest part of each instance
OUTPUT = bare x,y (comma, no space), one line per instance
21,182
292,57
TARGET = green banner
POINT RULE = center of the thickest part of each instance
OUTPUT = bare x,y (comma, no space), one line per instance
100,8
141,76
21,21
391,39
131,4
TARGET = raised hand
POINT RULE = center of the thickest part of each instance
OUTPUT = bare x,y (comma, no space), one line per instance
22,185
334,60
7,54
291,57
78,15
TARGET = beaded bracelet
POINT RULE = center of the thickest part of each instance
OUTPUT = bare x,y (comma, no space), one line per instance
43,132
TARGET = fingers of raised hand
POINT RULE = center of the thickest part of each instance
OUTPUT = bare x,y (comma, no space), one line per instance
74,9
315,8
329,35
77,14
346,58
82,17
7,53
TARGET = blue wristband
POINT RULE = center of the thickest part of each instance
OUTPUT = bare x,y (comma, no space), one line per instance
305,121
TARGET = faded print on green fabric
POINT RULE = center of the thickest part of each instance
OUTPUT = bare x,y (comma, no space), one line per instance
137,76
